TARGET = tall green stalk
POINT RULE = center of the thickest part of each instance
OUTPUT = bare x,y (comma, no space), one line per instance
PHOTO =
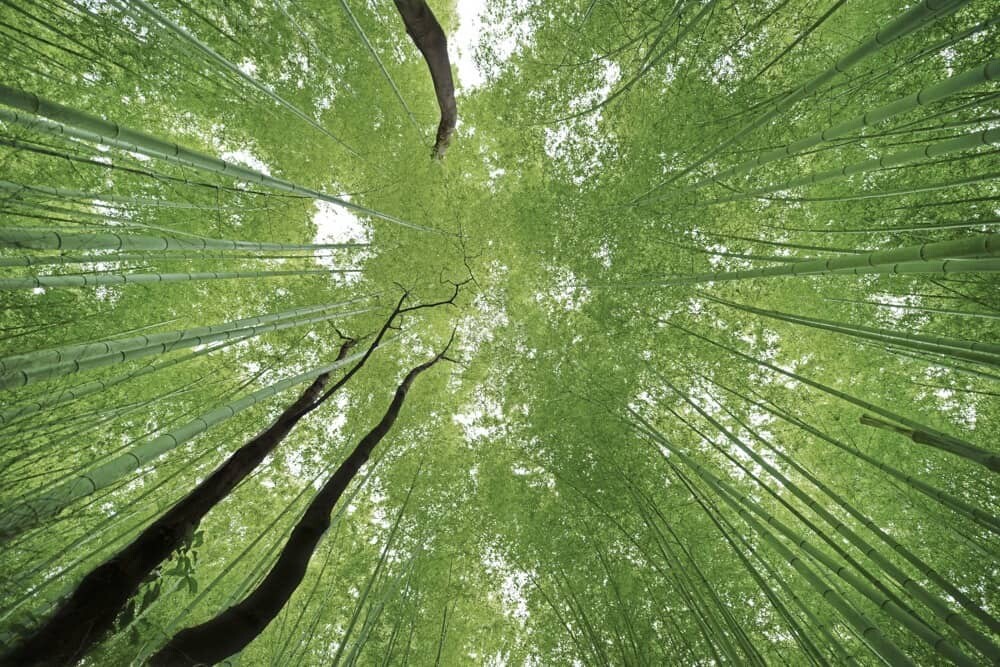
867,630
81,125
897,260
944,442
104,279
912,19
212,56
22,369
46,239
928,95
32,511
985,353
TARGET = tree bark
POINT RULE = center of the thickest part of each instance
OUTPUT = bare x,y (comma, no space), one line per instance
89,613
425,31
232,630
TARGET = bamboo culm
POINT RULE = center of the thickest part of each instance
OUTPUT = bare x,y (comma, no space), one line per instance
81,125
90,612
21,369
32,511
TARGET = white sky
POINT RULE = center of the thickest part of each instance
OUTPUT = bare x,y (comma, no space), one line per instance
473,23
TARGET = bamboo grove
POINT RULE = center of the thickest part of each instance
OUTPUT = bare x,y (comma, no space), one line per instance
685,352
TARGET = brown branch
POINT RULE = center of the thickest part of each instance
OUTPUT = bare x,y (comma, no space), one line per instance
425,31
232,630
89,613
389,324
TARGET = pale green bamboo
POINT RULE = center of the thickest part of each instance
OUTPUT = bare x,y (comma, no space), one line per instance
79,391
730,621
929,150
363,596
897,260
709,626
374,54
650,61
372,618
955,504
944,363
62,260
867,630
923,309
81,125
33,511
40,372
215,58
986,353
873,588
18,378
80,351
666,574
49,239
106,198
728,531
897,192
914,560
909,21
927,95
907,583
944,267
216,188
103,279
945,442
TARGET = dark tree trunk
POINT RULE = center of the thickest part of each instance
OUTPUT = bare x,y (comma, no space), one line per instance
89,613
425,31
232,630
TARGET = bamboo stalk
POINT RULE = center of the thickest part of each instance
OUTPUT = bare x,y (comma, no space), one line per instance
970,78
81,125
46,239
32,511
104,279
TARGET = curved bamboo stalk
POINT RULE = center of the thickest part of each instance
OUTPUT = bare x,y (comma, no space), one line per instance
908,259
114,258
902,158
105,198
22,377
944,442
986,353
953,503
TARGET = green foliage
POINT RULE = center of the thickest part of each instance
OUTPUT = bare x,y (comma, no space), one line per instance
698,253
